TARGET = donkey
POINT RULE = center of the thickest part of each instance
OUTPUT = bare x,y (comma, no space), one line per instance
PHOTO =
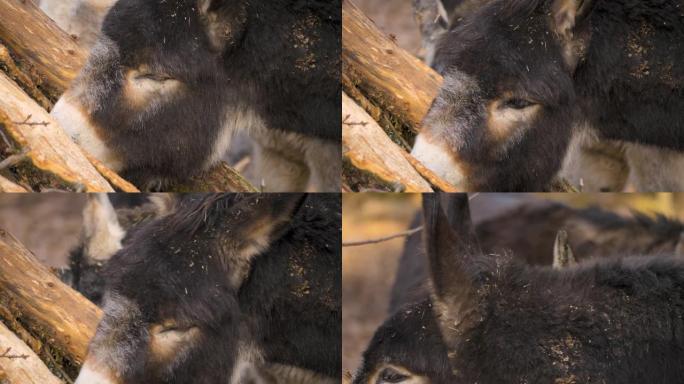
606,320
591,164
521,76
169,83
408,346
225,289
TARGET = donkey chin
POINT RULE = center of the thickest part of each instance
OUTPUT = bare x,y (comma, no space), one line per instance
440,161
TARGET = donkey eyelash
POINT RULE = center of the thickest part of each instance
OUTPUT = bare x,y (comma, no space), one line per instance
517,103
391,376
154,77
175,328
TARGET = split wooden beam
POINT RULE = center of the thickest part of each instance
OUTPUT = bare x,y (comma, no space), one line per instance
368,148
19,364
379,74
50,317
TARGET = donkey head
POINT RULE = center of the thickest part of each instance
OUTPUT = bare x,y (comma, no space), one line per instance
503,118
171,305
152,100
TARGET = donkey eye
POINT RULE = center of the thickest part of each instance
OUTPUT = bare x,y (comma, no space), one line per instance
389,375
517,103
159,77
171,326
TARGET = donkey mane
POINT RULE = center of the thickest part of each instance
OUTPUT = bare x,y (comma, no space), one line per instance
196,212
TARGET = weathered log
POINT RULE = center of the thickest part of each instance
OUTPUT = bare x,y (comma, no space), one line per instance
46,145
53,319
368,148
19,363
41,50
221,178
6,186
375,70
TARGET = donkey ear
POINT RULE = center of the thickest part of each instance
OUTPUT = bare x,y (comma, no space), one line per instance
223,20
567,18
252,225
450,11
679,248
563,257
453,253
102,233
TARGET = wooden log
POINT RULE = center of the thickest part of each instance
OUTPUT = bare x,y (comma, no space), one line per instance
376,69
6,186
43,52
221,178
114,179
19,363
47,146
368,148
56,321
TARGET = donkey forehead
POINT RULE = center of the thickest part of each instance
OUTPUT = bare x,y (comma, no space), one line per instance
167,26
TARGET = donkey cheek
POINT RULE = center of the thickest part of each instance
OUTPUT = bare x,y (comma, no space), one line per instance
165,347
440,161
79,127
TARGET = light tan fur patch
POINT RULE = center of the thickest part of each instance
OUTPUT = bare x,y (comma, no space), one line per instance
141,91
503,122
167,342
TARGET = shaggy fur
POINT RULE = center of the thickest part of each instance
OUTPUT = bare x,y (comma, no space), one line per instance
85,273
284,310
410,337
622,80
614,320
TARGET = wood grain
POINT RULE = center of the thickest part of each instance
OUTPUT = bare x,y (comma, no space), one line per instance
39,46
368,148
20,365
34,300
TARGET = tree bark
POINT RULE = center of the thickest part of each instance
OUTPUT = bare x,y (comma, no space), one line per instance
19,364
54,320
7,186
43,53
368,148
221,178
376,69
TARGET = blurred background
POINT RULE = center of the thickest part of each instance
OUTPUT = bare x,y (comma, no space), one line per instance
368,271
394,18
49,225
